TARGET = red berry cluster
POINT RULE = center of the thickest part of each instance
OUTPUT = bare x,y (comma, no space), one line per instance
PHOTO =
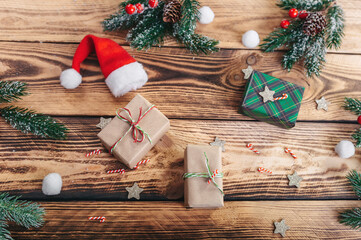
293,13
139,8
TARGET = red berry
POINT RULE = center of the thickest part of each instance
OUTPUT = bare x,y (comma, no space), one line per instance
359,119
130,9
153,3
293,12
303,14
140,7
284,24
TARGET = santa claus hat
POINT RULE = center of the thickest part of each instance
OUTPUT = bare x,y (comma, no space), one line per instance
121,71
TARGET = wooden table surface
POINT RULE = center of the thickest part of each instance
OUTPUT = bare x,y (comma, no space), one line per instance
200,95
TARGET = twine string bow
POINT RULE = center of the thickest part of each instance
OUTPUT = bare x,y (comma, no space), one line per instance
208,174
134,126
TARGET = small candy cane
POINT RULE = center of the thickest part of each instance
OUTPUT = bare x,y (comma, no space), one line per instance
121,171
264,170
102,219
215,172
95,152
250,146
284,96
287,150
141,162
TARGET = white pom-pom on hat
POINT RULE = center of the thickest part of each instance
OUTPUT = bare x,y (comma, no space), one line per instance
250,39
70,78
345,149
52,184
206,15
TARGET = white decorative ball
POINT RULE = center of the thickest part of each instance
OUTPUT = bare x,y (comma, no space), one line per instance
206,15
70,79
52,184
250,39
345,149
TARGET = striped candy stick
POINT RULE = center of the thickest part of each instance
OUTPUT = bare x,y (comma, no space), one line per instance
102,219
95,152
215,172
250,146
287,150
264,170
121,171
284,96
141,162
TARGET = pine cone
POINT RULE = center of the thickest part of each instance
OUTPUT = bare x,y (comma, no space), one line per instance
172,11
314,23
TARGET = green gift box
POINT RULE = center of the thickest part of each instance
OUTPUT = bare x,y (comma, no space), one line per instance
282,113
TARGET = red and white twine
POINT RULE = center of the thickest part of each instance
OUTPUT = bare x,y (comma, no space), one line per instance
250,147
121,171
102,219
215,172
264,170
287,150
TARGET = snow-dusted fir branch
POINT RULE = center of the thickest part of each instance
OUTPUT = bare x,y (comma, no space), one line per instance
23,213
148,28
307,38
12,90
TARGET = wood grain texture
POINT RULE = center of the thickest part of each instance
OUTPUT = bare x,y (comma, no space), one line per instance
180,85
170,220
26,160
69,21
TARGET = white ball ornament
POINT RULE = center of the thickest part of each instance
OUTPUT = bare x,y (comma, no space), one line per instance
345,149
52,184
206,15
250,39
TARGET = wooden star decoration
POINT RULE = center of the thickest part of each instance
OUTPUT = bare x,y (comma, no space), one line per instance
267,95
134,191
322,103
281,227
295,180
103,122
219,142
247,72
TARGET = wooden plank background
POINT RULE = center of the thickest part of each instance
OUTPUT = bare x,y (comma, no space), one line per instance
201,95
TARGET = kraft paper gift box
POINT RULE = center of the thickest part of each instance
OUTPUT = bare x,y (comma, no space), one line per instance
120,135
198,193
282,113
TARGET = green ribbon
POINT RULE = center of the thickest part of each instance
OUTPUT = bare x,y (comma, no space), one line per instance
208,174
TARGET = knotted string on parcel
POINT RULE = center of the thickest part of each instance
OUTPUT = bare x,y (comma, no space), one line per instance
208,174
134,126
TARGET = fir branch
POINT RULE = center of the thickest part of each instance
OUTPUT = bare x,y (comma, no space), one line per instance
357,137
353,104
355,180
335,26
23,213
296,51
309,5
351,218
315,57
4,233
198,44
190,15
29,121
12,90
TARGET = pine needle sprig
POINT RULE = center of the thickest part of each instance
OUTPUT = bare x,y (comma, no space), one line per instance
315,57
23,213
12,90
351,217
357,137
4,232
27,121
190,15
309,5
353,104
355,180
335,28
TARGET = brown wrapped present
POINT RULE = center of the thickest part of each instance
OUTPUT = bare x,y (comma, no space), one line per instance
203,186
134,131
